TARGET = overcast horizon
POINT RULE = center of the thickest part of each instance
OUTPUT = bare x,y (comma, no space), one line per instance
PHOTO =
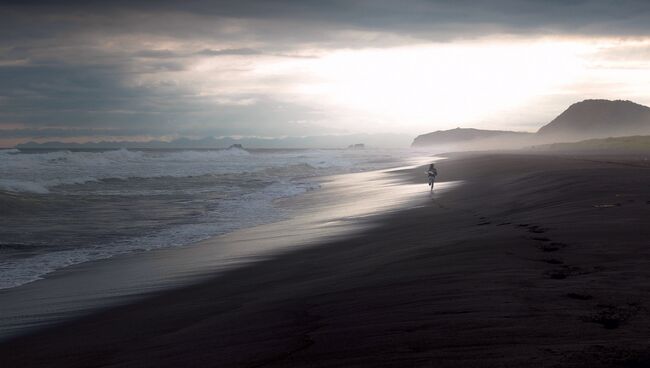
79,71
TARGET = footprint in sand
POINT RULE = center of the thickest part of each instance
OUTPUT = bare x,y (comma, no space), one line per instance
552,247
553,261
536,229
540,238
565,271
607,205
612,316
579,296
484,220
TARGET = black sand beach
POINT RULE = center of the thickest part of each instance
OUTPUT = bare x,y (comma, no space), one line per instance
536,260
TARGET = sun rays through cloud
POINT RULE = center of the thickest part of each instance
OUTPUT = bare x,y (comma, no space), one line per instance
282,70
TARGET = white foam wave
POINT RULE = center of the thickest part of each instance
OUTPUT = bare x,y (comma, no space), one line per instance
247,210
22,186
34,172
207,155
247,184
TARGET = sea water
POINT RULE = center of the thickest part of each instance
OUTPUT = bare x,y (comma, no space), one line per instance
64,207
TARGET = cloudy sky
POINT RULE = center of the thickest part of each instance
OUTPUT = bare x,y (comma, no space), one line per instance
137,70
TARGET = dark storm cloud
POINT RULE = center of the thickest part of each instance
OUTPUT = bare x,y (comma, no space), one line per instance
69,101
434,18
69,133
72,64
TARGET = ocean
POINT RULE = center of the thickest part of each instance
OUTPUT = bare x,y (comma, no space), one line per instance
64,207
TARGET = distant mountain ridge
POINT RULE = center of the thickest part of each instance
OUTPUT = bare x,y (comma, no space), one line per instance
464,135
588,119
599,119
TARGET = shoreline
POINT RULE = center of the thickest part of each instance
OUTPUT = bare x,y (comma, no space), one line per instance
91,286
537,260
178,203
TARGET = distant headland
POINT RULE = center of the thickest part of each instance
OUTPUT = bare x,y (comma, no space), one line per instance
588,119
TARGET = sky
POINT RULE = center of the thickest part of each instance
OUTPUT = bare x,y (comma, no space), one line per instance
138,70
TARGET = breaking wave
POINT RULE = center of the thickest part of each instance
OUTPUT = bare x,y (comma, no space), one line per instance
65,207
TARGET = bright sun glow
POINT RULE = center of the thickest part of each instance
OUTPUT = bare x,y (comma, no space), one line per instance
447,83
485,84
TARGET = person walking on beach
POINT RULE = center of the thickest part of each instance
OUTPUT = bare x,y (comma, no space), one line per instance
432,173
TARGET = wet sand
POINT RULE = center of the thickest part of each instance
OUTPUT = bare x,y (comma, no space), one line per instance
345,204
534,261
